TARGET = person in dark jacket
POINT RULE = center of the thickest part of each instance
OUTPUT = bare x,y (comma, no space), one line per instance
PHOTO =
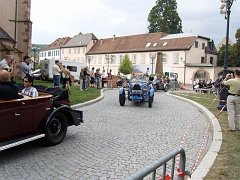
8,89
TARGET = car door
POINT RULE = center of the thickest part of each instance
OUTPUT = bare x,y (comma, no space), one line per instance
9,121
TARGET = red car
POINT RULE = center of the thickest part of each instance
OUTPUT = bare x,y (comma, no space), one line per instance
46,116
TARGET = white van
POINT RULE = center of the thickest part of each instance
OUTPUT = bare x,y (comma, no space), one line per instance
72,66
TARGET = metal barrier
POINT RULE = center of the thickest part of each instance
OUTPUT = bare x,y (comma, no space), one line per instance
163,162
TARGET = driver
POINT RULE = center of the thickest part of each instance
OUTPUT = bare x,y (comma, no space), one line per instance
8,89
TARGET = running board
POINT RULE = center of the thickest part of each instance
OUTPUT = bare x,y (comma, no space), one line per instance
20,141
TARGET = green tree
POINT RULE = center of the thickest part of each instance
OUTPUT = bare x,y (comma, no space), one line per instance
126,66
164,17
233,53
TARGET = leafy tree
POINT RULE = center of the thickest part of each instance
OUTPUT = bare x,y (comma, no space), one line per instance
126,66
39,66
233,53
164,17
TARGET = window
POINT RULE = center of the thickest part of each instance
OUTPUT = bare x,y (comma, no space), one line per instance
69,51
202,60
99,59
72,68
78,59
134,58
203,45
83,50
78,50
49,53
94,59
164,58
75,50
211,60
175,58
120,58
148,44
58,52
62,51
114,59
143,58
196,44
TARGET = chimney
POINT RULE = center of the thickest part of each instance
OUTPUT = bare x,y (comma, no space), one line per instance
101,41
113,37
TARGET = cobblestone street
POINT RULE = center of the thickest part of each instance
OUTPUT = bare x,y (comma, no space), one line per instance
113,142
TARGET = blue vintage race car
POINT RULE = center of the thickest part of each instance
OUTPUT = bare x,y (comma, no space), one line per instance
139,89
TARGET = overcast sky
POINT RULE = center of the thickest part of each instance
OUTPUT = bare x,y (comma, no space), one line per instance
54,19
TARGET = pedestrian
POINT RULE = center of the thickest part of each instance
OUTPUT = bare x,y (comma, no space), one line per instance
56,70
65,75
98,78
233,100
110,79
81,79
92,78
29,90
216,85
86,78
103,76
26,67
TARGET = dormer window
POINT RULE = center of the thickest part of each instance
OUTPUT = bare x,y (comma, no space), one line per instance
148,44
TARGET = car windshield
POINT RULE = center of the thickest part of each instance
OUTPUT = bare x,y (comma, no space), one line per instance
139,79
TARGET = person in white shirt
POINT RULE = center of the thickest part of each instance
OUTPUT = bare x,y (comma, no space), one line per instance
103,76
56,70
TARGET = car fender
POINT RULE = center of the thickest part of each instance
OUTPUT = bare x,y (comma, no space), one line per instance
151,91
121,90
74,117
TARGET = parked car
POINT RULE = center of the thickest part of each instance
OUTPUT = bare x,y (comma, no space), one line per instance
46,116
160,85
138,90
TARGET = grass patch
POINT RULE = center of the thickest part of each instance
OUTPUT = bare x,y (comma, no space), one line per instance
227,161
76,96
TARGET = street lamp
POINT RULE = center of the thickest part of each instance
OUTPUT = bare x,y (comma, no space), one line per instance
34,49
152,57
109,59
225,9
89,58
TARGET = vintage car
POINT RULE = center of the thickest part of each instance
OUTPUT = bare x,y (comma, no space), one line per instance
160,85
46,116
139,89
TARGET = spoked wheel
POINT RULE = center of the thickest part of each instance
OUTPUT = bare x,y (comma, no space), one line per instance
122,99
56,129
166,88
150,102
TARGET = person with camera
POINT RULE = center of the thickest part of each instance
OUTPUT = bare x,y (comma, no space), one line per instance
233,100
26,67
8,65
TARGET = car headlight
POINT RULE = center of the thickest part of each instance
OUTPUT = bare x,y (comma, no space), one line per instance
145,88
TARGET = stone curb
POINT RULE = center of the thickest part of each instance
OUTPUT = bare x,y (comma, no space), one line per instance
77,106
208,160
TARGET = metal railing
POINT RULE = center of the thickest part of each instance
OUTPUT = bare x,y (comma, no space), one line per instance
163,162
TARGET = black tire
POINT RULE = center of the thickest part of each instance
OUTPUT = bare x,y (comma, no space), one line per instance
122,99
56,129
150,102
166,88
155,87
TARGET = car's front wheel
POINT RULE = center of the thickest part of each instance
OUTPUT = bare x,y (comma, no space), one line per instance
150,102
56,129
122,99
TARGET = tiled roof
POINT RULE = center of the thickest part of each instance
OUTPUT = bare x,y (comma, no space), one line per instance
199,65
57,43
5,35
80,40
142,43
